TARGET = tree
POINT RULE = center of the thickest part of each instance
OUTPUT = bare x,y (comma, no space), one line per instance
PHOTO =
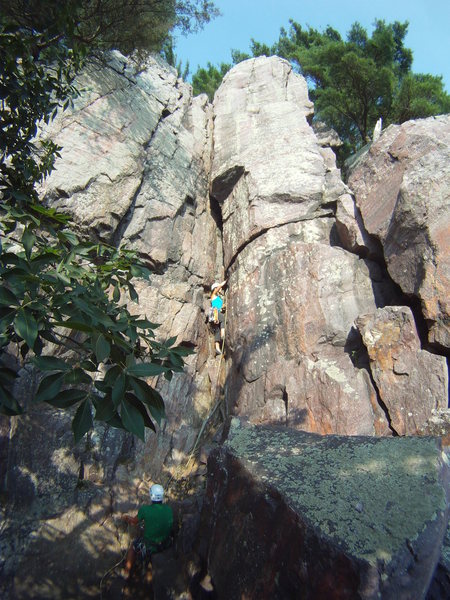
125,25
55,287
353,82
419,94
206,81
169,55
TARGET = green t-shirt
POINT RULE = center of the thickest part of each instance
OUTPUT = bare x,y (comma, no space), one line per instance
158,522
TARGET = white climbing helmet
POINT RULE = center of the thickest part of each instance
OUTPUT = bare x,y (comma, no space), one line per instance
156,493
215,285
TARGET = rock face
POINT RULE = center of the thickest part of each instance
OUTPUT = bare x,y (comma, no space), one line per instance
288,327
244,189
291,514
401,189
142,145
400,368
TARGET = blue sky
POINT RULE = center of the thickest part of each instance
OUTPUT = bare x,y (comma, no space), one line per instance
428,34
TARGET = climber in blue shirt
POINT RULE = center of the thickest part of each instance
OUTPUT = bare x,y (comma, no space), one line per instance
218,317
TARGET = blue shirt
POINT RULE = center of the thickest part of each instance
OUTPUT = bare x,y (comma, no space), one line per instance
217,303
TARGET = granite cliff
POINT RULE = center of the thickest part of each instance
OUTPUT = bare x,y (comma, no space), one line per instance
337,318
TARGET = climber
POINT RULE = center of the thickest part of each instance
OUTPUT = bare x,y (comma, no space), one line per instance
156,520
217,318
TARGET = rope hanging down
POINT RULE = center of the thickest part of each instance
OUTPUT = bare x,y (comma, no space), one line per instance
187,466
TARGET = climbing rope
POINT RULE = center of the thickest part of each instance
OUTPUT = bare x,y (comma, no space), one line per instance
113,568
187,466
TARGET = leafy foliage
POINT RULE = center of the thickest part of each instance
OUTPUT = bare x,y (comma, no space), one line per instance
63,300
352,82
169,55
206,81
125,25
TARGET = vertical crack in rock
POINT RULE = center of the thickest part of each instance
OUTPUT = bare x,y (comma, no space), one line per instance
286,404
381,404
127,217
216,212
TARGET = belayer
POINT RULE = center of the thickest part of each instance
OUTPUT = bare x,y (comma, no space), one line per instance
157,527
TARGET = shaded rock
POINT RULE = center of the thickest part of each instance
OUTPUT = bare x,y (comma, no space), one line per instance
326,136
290,514
401,189
440,585
411,382
351,230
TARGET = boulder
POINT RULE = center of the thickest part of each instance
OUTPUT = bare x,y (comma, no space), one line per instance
411,382
292,514
134,170
401,189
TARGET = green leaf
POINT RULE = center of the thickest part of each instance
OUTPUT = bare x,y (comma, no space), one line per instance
176,362
102,348
146,324
68,236
133,294
146,370
75,325
6,318
135,271
150,397
25,326
8,403
77,375
67,398
141,408
49,387
104,409
7,298
118,390
132,419
170,342
88,365
183,350
116,421
28,240
50,363
82,421
102,387
12,259
111,375
116,293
